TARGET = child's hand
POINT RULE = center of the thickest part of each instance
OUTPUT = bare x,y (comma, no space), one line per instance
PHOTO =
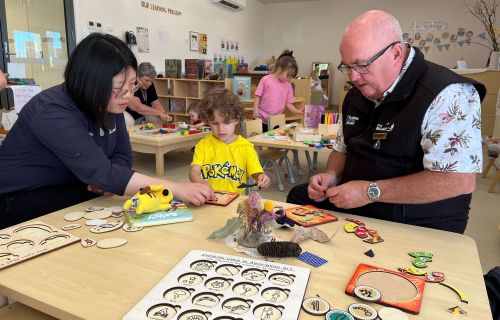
199,125
263,181
255,114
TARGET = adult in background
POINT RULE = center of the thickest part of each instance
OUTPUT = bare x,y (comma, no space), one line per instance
3,80
145,103
70,143
409,146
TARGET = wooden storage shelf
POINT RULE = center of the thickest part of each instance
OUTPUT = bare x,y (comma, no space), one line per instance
176,95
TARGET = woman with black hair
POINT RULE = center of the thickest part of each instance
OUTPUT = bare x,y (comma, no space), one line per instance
70,142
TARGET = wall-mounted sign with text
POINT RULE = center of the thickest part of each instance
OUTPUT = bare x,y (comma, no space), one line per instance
154,7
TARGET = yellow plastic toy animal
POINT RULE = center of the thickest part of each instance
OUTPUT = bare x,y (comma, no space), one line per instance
150,199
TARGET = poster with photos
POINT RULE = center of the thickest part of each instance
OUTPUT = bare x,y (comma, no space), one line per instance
193,41
142,40
203,43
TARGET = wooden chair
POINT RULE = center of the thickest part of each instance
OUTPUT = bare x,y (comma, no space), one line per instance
271,157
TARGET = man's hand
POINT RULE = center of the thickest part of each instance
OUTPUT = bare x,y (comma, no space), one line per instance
194,193
349,195
318,184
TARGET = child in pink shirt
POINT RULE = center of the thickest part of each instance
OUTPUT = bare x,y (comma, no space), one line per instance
274,91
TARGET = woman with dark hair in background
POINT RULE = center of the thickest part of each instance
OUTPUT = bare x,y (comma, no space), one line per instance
70,143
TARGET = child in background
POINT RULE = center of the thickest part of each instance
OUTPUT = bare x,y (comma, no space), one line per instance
274,91
194,114
223,159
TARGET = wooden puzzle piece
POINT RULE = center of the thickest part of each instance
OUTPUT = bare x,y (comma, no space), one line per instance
459,292
107,227
265,311
98,214
373,232
223,198
416,271
362,311
420,262
356,221
387,313
361,232
111,243
275,294
418,254
338,315
457,310
374,240
71,226
87,242
434,277
73,216
367,293
316,306
350,227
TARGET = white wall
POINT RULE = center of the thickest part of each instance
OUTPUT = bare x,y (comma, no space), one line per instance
197,15
311,28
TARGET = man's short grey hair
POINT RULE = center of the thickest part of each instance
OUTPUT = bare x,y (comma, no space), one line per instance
146,69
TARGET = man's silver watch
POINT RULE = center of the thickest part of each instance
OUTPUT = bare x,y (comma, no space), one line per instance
373,191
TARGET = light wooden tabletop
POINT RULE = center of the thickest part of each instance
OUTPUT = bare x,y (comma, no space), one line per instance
283,142
91,283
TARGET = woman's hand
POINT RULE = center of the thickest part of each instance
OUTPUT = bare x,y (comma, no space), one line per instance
194,193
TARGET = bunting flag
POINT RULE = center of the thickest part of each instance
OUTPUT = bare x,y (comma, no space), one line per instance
461,43
426,48
447,46
440,47
482,35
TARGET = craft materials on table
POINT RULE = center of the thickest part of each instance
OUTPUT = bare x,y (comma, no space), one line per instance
359,228
316,306
223,198
397,289
312,259
206,285
309,215
28,240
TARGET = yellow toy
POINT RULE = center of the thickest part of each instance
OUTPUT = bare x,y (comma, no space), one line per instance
150,199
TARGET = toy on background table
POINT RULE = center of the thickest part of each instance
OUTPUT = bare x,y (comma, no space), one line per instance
149,126
313,233
150,199
169,124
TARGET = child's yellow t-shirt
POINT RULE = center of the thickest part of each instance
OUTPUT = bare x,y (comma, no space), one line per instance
225,166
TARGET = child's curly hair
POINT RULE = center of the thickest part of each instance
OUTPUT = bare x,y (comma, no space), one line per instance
223,100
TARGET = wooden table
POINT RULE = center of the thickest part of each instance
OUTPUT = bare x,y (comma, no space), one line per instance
264,140
161,144
91,283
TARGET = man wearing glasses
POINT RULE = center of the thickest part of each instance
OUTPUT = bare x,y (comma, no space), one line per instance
409,146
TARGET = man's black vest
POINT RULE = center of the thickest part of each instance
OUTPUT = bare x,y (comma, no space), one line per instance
397,121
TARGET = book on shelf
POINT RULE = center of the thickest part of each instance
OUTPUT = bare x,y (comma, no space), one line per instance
178,213
225,70
192,68
173,68
242,87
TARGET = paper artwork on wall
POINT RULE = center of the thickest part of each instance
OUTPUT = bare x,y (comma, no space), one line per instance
193,41
142,40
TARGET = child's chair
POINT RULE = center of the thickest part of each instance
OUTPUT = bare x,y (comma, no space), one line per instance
279,121
272,157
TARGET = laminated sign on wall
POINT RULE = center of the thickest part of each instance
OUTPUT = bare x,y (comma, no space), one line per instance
22,94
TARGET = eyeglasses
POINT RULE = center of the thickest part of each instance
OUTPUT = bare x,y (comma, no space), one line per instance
363,68
123,91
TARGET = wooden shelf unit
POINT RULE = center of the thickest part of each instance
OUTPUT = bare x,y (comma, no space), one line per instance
176,95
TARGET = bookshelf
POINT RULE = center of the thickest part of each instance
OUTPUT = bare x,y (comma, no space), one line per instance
176,94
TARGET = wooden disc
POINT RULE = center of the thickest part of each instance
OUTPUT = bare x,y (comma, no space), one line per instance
87,242
95,222
316,306
128,228
102,214
71,226
116,209
361,311
107,227
111,243
73,216
387,313
367,293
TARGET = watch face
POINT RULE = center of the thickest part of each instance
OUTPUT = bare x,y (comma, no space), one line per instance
373,192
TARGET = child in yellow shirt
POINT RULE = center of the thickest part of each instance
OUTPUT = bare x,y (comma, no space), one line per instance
223,159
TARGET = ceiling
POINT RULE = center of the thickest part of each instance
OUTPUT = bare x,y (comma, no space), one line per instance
280,1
